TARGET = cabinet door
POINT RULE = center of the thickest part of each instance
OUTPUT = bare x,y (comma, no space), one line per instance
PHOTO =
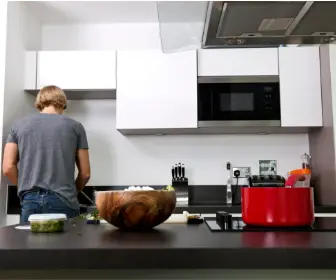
238,62
30,70
156,90
300,87
77,69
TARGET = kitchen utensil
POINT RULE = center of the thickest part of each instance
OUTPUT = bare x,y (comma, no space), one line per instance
180,178
23,227
228,184
303,177
179,167
266,180
173,174
277,207
195,221
224,219
305,161
183,172
88,198
176,219
136,210
293,179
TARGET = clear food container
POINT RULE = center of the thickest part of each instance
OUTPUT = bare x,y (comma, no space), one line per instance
303,175
47,223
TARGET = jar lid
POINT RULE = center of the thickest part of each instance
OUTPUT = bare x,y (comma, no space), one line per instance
300,171
47,217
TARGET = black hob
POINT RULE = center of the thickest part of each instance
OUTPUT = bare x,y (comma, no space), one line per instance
325,224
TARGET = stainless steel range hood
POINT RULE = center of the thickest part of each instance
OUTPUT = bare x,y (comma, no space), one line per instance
271,23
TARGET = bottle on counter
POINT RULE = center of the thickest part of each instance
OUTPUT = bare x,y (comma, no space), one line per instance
305,161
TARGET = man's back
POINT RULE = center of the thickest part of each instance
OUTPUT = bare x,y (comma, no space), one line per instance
47,145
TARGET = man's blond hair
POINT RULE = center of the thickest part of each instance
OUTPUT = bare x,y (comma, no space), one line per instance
51,96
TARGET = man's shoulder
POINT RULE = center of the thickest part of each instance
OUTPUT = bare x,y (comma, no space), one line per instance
38,118
71,121
24,120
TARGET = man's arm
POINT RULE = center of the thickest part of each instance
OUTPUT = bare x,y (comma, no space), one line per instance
83,165
10,161
82,159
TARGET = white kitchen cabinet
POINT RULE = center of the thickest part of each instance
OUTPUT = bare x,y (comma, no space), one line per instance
300,86
30,70
156,90
75,70
238,62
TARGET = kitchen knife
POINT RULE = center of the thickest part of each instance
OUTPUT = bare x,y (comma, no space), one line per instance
183,172
179,171
173,173
176,173
88,198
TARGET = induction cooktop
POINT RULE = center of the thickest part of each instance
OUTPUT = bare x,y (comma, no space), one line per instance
325,224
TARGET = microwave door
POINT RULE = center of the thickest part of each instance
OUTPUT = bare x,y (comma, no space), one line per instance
236,105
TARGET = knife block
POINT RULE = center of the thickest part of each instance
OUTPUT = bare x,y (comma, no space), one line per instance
180,183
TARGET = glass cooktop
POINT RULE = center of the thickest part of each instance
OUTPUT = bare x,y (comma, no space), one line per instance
325,224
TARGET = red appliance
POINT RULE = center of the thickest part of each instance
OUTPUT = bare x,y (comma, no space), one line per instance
277,206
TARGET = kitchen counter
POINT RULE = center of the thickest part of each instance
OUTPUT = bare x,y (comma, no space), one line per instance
170,246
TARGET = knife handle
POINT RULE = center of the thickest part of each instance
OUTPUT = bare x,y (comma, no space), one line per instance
176,173
183,171
179,171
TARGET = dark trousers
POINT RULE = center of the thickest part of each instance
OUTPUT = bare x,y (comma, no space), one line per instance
42,201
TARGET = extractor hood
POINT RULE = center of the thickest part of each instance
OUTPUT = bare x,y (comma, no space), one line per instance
270,23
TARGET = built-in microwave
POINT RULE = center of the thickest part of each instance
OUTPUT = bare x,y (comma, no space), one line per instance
238,101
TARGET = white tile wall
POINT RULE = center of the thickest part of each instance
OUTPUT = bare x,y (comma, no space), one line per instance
117,159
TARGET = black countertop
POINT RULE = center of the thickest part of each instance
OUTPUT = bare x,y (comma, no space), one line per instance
170,246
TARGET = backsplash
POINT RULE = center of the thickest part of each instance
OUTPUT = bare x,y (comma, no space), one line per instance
147,160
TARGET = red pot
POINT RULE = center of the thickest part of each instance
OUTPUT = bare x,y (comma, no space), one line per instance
278,207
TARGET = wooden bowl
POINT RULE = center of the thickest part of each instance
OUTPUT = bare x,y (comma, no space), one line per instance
136,210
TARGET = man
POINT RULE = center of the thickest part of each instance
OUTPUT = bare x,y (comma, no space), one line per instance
46,147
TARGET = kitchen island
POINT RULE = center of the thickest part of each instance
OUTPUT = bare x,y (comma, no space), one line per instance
169,246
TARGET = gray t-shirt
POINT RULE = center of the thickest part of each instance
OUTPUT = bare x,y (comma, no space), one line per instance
47,145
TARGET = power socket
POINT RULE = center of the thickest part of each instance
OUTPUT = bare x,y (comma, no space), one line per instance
244,171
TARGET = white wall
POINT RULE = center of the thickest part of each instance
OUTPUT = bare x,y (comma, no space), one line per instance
122,36
101,36
23,33
117,159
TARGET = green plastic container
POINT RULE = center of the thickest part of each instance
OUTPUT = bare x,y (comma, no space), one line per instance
47,223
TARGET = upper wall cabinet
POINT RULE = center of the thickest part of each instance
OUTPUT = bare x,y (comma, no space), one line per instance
77,69
82,74
300,87
156,90
238,62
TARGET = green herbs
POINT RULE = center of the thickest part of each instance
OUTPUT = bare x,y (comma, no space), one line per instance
47,226
169,188
94,215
